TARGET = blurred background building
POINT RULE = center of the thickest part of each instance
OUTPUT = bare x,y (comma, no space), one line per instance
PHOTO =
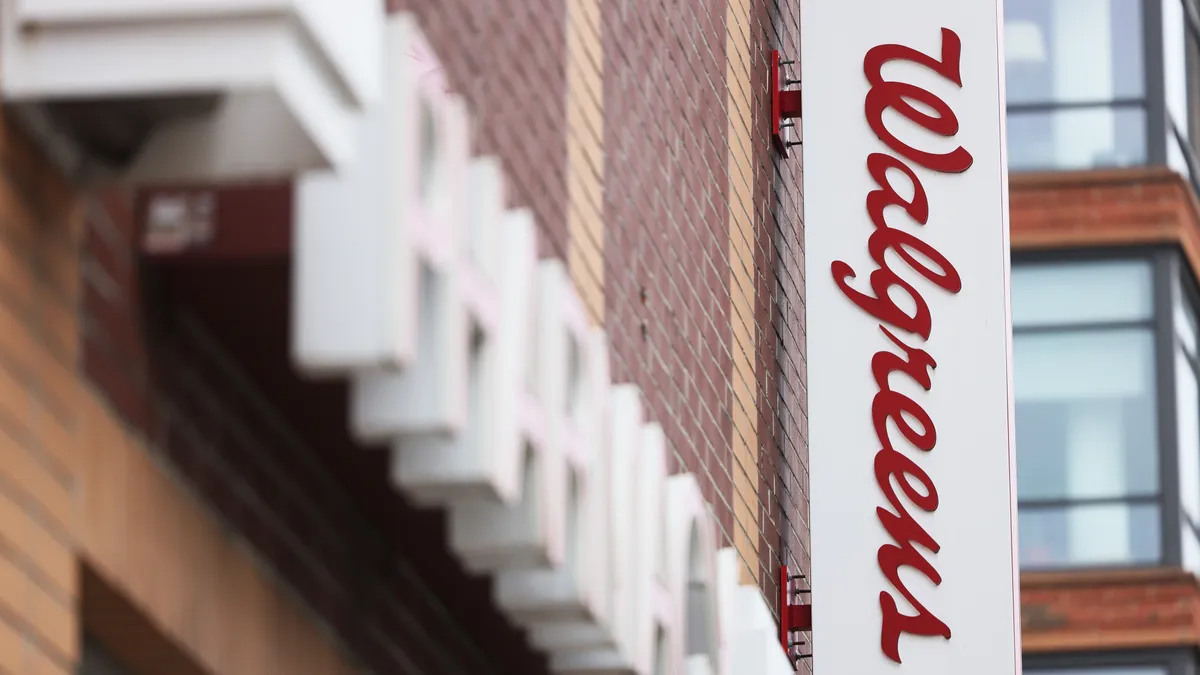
1102,128
175,497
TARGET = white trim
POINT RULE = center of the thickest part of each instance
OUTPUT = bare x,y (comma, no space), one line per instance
289,82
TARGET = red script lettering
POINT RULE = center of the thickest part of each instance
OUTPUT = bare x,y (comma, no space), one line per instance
915,425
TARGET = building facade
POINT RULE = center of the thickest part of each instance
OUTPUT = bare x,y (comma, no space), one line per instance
1101,122
193,480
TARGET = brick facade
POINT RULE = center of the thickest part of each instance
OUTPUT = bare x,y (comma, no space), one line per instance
95,534
169,485
1117,610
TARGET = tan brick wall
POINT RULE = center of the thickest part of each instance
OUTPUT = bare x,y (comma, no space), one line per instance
585,153
39,587
78,492
203,589
741,284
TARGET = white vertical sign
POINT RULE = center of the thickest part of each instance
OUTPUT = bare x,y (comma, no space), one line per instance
910,404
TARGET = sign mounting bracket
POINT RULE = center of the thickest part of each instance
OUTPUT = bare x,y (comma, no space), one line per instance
785,105
793,618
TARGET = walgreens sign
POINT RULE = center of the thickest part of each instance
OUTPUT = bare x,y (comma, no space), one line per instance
906,244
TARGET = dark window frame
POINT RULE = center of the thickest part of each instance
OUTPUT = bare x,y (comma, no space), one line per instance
1184,277
1191,45
1166,266
1177,661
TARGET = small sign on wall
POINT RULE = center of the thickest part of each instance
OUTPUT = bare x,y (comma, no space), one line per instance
205,222
909,338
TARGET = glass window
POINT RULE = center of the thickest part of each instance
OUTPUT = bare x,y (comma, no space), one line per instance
1192,72
1086,422
1097,535
1081,293
1175,63
1076,138
1185,322
1085,431
1187,396
1073,51
1075,84
1187,419
1177,154
1191,549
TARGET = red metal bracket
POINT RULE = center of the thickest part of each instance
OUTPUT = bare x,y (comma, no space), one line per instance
785,106
793,618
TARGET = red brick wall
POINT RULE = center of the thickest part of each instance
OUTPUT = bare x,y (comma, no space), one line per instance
1104,208
666,228
779,311
1109,611
508,59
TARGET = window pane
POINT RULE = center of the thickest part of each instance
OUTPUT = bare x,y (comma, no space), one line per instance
1191,549
1085,414
1105,534
1091,292
1193,87
1072,50
1188,414
1185,319
1176,159
1175,62
1078,138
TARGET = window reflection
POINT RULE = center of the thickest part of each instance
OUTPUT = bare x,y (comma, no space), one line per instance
1073,51
1076,138
1098,535
1075,84
1086,420
1086,414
